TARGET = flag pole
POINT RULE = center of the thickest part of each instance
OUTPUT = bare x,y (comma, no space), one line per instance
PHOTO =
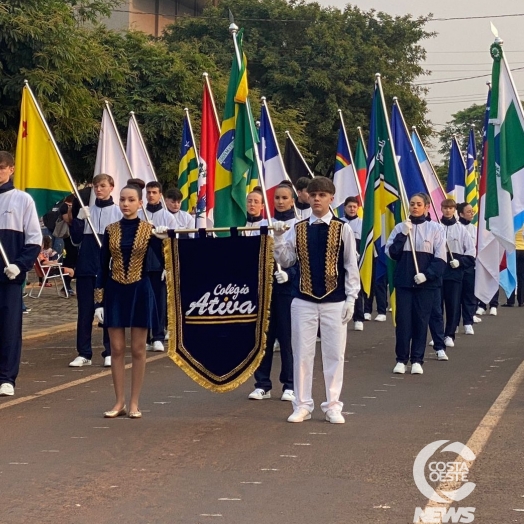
208,86
288,134
122,149
359,131
403,196
395,101
233,29
142,142
4,254
71,181
350,154
186,110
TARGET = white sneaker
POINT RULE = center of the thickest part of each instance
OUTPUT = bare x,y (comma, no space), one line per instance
441,355
299,415
493,311
431,343
158,346
259,394
335,417
449,343
7,390
476,320
359,326
416,369
107,361
399,368
79,362
367,316
468,329
288,395
480,311
380,318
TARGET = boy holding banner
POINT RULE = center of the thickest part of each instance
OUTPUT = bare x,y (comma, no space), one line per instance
324,292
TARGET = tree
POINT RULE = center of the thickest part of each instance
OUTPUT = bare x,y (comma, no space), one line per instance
316,60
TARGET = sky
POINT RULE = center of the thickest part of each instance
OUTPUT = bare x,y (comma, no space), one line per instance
460,49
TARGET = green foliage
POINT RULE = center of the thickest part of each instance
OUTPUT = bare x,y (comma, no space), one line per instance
306,59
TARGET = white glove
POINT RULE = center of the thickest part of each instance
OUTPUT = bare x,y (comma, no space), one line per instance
12,271
99,314
279,228
347,311
420,278
407,226
281,276
454,263
161,232
164,274
84,213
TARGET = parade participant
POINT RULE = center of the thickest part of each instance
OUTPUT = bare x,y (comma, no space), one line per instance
324,292
102,213
157,216
20,239
519,246
351,206
173,200
124,296
280,318
415,290
468,299
302,206
255,209
460,256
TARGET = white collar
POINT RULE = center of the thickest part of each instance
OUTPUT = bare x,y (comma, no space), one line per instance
326,218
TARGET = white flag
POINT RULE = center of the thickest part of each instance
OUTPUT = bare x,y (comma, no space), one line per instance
137,153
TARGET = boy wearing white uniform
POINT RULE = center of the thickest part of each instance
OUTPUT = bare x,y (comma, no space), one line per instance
302,206
324,291
183,219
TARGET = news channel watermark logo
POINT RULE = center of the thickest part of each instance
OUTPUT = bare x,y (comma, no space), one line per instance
434,476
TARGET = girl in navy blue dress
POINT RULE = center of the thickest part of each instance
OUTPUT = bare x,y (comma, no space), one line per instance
124,295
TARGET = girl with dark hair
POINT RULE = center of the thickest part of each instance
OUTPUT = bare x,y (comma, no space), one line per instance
415,287
124,296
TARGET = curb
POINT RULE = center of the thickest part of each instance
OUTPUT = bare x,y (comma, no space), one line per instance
38,333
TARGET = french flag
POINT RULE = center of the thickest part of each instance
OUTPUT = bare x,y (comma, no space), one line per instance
273,169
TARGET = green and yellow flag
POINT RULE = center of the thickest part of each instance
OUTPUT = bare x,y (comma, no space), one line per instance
236,154
39,170
188,169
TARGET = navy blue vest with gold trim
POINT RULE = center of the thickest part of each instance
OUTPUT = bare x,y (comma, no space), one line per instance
320,253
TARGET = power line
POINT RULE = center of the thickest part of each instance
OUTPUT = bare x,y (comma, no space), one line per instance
449,80
511,15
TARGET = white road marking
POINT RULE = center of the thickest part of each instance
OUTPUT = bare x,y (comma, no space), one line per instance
478,440
224,498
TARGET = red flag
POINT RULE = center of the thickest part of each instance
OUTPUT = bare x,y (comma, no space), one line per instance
209,136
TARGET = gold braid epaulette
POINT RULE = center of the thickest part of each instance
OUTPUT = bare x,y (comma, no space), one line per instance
138,253
334,241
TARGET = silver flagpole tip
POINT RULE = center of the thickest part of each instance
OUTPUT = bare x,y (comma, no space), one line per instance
205,74
131,112
395,99
26,81
488,84
186,109
377,75
106,102
233,28
472,126
358,128
414,128
263,98
339,110
287,132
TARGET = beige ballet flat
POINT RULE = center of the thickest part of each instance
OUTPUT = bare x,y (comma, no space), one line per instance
116,413
135,414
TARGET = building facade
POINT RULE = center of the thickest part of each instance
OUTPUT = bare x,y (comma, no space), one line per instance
151,16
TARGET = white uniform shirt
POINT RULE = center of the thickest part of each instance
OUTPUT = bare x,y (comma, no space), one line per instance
286,254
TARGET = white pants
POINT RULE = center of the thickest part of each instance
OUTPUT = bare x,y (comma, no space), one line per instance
305,318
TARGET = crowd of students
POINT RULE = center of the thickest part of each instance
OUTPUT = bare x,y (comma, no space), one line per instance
120,281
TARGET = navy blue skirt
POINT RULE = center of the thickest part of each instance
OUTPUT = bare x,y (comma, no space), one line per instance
129,305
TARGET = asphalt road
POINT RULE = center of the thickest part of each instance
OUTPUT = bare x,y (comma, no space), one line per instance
199,457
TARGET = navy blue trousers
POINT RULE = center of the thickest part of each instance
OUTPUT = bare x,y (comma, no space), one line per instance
160,292
414,306
379,291
451,293
85,293
468,299
436,322
279,327
10,332
358,315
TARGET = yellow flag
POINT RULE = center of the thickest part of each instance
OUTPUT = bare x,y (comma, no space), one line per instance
38,168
